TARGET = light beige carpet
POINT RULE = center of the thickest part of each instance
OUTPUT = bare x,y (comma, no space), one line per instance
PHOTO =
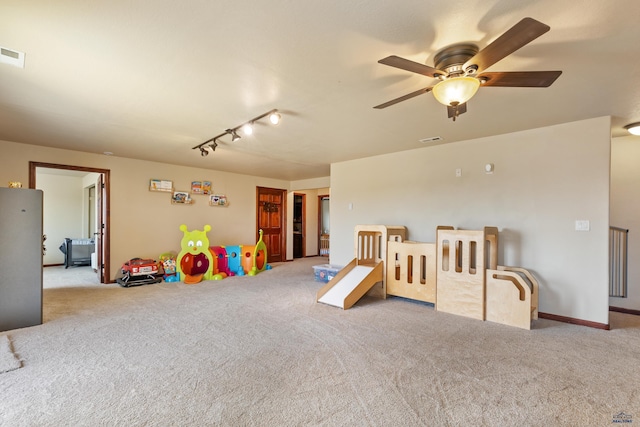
8,360
259,351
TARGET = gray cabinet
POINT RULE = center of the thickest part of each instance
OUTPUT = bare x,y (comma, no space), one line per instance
20,258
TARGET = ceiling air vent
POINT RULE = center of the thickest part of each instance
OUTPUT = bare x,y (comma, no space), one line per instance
11,57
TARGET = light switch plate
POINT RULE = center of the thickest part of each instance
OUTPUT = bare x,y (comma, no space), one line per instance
583,225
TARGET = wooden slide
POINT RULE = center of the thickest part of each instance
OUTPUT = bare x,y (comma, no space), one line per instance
350,284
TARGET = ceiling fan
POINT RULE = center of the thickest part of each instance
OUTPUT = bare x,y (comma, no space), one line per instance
460,68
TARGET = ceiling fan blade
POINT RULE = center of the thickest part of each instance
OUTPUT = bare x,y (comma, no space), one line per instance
453,112
403,98
520,78
414,67
517,36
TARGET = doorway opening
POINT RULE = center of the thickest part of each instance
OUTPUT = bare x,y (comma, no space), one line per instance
324,229
299,221
83,233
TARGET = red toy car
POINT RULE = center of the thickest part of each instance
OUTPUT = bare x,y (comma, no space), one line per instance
138,271
140,267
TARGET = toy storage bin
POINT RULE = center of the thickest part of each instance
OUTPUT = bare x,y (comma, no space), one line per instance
325,272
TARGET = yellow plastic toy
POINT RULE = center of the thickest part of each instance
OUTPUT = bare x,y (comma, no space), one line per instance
198,261
195,262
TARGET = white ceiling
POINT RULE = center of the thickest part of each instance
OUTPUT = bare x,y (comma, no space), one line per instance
149,79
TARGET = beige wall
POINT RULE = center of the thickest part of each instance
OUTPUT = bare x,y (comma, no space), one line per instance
144,223
89,216
625,208
63,208
544,180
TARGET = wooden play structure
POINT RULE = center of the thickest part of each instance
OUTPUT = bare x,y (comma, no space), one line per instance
472,284
460,268
367,268
459,274
411,271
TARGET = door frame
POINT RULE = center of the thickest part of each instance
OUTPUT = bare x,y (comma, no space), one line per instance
105,211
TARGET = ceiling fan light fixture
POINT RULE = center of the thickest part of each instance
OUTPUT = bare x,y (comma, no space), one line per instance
633,128
456,90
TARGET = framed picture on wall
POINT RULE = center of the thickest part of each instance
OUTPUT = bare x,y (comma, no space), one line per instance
160,185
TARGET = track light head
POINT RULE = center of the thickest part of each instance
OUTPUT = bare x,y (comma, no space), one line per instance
274,118
247,129
234,135
204,152
213,145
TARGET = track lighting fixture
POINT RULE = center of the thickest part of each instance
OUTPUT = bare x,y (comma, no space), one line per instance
247,129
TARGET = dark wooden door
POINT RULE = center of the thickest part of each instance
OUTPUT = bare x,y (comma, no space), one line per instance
271,219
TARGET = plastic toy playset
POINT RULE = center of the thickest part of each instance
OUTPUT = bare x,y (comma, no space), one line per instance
198,261
459,274
168,262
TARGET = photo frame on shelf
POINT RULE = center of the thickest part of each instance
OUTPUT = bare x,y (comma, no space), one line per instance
181,198
218,200
161,185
